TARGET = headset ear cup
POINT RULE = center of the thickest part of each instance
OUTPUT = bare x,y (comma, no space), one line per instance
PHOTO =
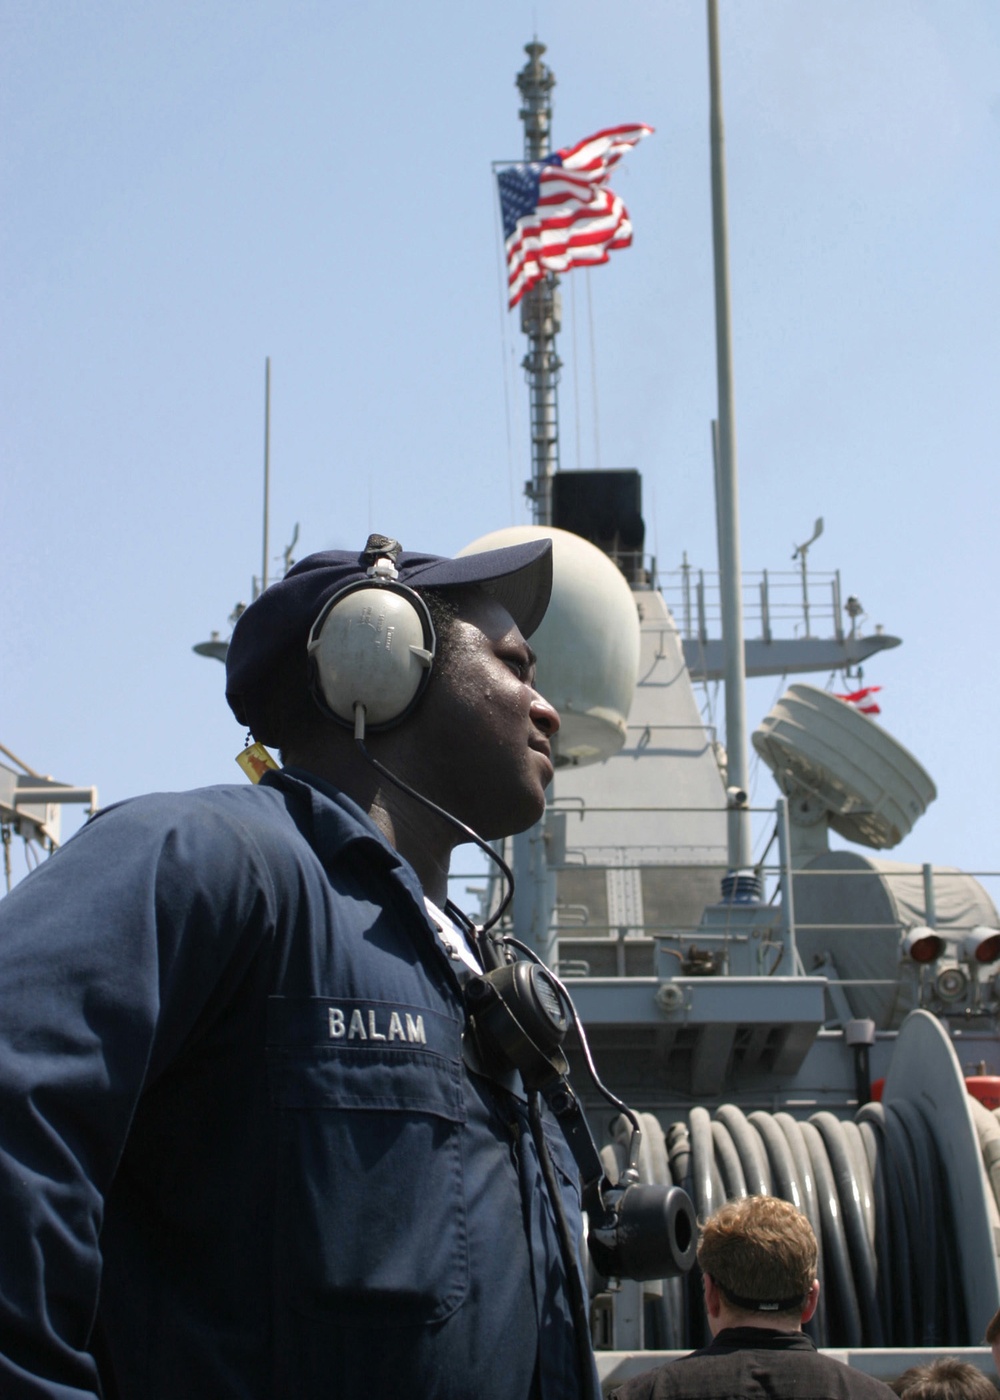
372,645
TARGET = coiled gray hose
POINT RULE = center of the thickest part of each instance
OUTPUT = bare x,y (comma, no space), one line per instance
873,1190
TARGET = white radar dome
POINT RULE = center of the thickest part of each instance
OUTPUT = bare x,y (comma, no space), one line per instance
587,643
816,745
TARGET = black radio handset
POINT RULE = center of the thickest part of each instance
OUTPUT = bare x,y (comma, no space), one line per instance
520,1014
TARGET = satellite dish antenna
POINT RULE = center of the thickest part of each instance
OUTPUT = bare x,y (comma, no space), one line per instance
820,750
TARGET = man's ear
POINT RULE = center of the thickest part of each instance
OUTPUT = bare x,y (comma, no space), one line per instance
811,1301
713,1298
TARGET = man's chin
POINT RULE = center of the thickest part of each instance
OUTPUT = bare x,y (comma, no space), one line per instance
530,818
526,817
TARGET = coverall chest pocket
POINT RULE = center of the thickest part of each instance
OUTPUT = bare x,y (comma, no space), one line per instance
370,1209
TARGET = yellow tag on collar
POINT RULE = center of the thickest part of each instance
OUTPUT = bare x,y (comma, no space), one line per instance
255,761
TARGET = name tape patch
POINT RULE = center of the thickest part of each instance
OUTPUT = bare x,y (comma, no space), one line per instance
361,1023
346,1023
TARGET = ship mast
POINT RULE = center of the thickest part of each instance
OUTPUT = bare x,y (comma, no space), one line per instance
541,307
541,314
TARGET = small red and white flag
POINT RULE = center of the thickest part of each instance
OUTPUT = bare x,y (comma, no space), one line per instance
861,700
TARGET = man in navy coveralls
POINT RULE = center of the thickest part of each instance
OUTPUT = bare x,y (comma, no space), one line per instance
242,1156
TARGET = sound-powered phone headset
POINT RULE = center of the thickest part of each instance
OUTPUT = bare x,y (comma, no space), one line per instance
371,650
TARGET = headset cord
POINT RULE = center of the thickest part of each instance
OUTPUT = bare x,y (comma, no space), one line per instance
510,942
468,832
567,1246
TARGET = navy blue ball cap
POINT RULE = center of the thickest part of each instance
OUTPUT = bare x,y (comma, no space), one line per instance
519,577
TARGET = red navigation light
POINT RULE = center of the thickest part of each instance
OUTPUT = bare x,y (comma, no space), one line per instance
982,944
922,945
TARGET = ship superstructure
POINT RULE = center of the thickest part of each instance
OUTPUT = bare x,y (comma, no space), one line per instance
816,1022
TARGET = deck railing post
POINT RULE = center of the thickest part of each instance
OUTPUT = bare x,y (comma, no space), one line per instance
785,881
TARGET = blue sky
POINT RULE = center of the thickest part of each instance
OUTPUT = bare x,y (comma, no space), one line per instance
188,189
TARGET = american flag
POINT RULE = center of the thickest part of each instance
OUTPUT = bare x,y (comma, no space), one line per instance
558,212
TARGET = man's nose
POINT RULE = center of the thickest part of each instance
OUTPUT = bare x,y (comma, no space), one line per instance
545,716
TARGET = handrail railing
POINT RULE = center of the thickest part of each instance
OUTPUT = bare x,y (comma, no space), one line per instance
776,603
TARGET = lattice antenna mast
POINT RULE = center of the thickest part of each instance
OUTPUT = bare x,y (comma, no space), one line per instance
541,307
